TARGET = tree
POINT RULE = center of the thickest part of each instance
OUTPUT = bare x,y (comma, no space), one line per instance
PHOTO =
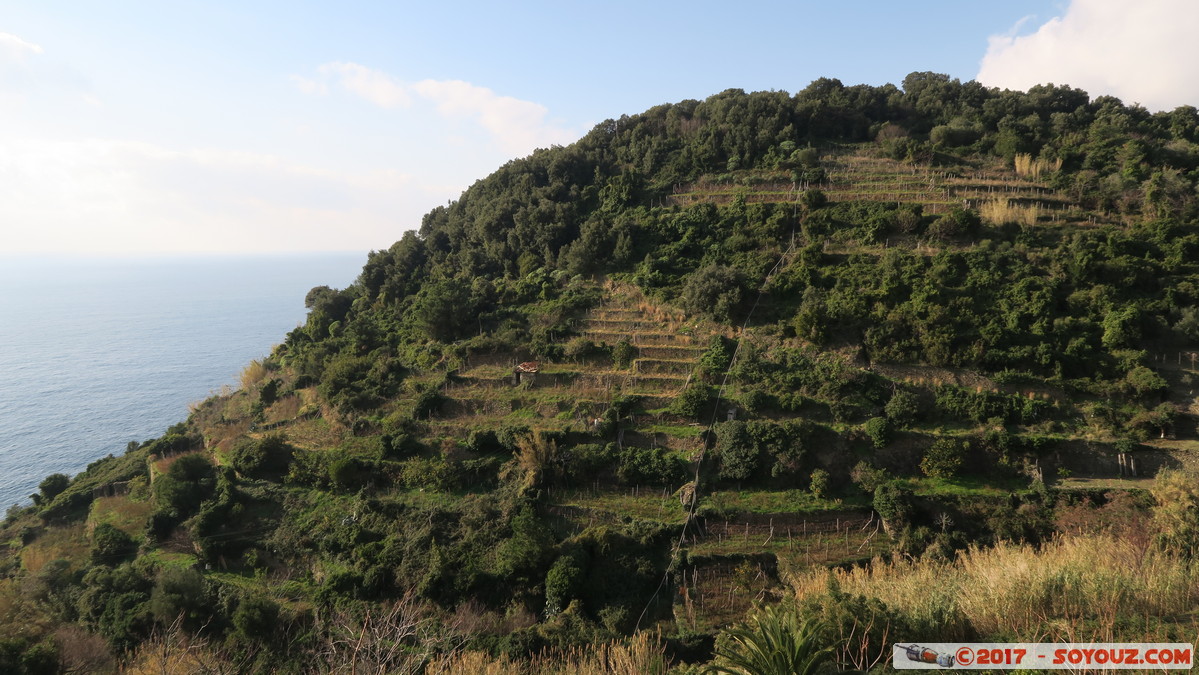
53,485
179,592
694,401
185,484
111,546
715,290
1143,381
444,311
623,353
943,458
255,619
818,483
894,506
270,456
903,408
1121,328
737,451
717,358
878,429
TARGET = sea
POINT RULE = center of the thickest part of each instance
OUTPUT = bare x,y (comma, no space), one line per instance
98,352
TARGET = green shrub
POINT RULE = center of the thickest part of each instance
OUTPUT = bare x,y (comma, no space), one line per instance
757,401
771,641
818,483
111,546
903,408
867,477
718,356
53,485
269,456
944,458
427,403
623,354
693,402
714,290
894,505
180,593
580,348
738,453
651,465
878,429
188,481
255,619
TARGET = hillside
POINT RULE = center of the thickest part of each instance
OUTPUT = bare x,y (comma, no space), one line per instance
621,393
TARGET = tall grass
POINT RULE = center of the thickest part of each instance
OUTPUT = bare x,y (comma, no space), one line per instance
1005,211
1072,589
1035,168
643,654
253,373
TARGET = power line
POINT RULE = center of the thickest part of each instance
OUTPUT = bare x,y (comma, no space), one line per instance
715,413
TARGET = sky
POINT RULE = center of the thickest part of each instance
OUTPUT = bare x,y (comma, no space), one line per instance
152,128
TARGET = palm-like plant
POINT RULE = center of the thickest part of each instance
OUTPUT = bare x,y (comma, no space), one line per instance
772,641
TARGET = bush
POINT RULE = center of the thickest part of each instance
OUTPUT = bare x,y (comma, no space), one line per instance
738,453
818,483
255,619
179,593
878,429
714,290
111,546
562,584
944,458
270,455
693,402
427,403
718,356
580,348
53,485
651,465
623,354
188,481
903,408
868,477
756,401
772,640
894,505
956,223
813,199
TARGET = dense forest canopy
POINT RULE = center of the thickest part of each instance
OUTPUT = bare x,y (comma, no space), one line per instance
598,206
673,370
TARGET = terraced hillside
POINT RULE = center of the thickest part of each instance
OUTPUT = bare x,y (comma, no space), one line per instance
860,174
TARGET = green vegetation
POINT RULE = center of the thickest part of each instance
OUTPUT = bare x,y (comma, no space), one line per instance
618,394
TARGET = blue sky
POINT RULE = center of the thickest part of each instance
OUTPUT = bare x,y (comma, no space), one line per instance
149,127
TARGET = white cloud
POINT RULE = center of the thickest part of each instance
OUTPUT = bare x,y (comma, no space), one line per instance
373,85
517,127
1142,52
13,48
112,196
310,87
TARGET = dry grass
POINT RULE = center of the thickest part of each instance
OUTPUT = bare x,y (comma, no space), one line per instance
253,373
122,513
1073,589
286,408
1005,211
69,543
1035,168
643,654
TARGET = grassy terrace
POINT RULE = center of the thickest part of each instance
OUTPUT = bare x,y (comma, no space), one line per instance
776,501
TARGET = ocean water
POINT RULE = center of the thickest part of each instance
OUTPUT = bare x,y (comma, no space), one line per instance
96,353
